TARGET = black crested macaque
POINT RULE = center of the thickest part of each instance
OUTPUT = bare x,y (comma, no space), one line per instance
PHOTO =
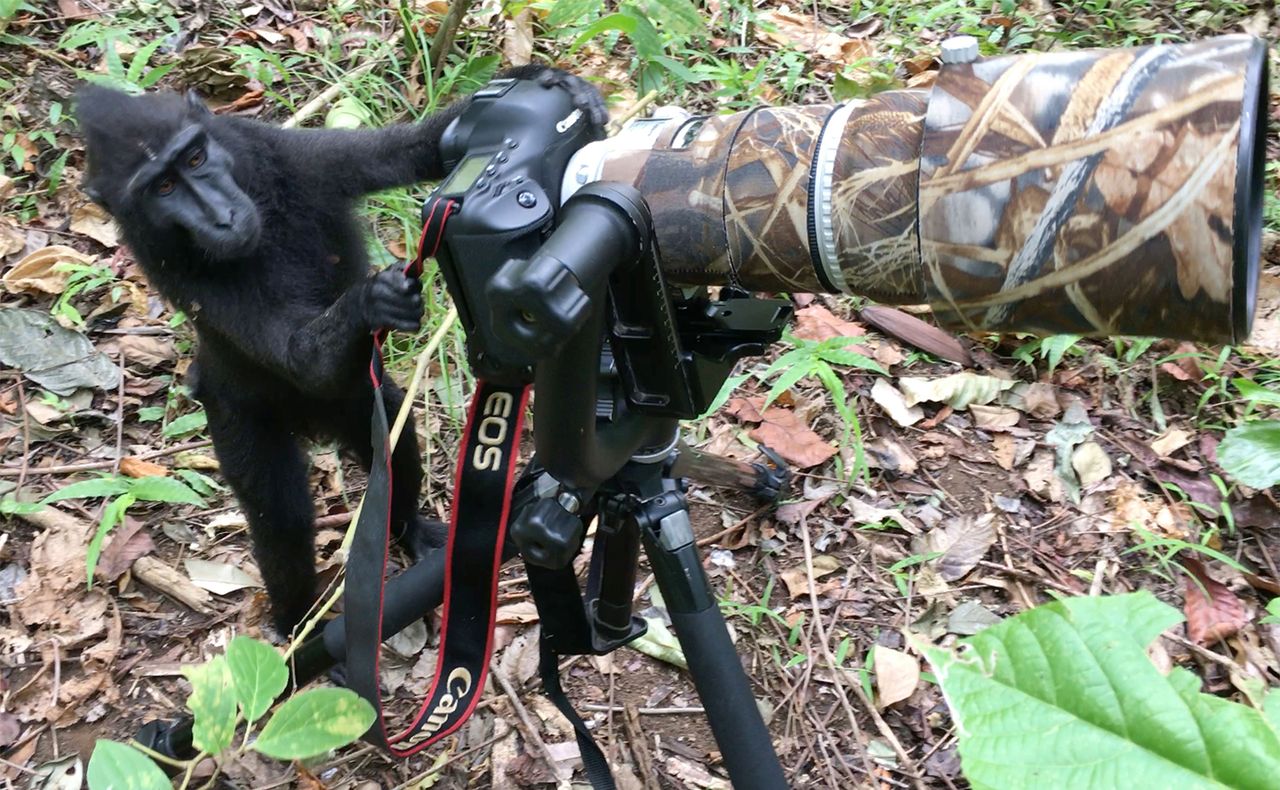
250,229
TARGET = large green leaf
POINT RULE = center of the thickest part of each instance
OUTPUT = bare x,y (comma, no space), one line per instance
1251,453
115,766
1065,696
314,722
259,675
212,703
164,489
97,487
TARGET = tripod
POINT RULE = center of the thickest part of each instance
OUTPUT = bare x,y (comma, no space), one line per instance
611,380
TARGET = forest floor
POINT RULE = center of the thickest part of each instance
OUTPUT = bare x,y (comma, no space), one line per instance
1091,468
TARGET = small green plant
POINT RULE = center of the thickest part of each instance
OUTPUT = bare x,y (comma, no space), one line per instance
121,494
226,691
1273,612
1051,349
137,76
815,358
83,279
1250,453
1049,697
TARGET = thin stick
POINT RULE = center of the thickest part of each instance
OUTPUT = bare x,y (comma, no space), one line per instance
523,720
831,659
635,110
115,467
26,434
68,469
443,41
327,95
419,373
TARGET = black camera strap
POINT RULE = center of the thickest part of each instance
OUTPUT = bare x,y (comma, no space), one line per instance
482,502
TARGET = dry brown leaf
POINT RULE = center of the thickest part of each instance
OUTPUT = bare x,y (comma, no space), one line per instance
1040,400
517,613
12,240
891,455
746,409
147,350
1091,463
127,543
797,578
795,31
784,431
963,541
91,220
994,418
1003,449
1170,442
136,467
517,41
818,323
894,403
1213,611
40,272
897,675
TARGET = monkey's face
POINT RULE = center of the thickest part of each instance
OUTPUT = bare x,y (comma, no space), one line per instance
190,185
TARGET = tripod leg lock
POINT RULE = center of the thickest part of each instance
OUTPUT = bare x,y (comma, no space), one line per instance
548,535
773,477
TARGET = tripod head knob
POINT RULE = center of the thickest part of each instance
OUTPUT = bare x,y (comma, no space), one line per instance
547,534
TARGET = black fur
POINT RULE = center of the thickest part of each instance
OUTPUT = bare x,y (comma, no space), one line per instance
284,323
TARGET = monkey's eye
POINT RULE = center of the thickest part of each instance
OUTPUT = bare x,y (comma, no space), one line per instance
166,186
196,159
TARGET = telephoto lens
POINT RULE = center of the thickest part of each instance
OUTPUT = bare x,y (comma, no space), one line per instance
1097,192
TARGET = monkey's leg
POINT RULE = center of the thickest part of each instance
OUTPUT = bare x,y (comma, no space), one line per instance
267,469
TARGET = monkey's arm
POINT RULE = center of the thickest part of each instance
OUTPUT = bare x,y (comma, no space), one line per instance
360,161
322,355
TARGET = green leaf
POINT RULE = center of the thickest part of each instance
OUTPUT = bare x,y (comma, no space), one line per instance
566,12
680,17
112,514
9,506
150,414
1251,453
212,703
259,675
187,423
1065,696
784,382
852,359
726,390
98,487
200,483
115,766
644,36
164,489
620,22
314,722
1256,393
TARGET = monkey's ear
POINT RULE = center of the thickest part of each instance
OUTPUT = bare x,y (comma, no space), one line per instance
196,106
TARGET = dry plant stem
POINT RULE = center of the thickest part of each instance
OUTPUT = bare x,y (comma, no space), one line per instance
633,111
320,101
411,392
26,435
524,720
443,41
68,469
836,678
115,468
435,770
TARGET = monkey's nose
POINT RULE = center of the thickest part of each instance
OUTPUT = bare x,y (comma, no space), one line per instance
228,220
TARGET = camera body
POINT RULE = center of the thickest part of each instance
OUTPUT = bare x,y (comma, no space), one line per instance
506,154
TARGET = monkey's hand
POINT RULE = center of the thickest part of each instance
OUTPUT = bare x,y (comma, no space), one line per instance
586,97
392,300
